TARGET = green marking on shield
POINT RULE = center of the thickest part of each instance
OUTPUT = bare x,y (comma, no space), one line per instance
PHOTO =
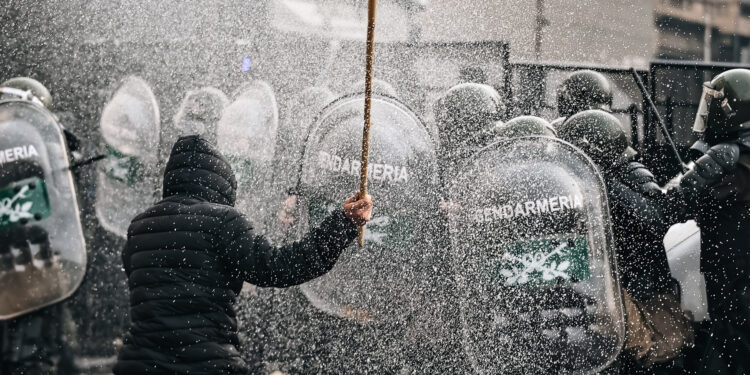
121,167
24,201
546,261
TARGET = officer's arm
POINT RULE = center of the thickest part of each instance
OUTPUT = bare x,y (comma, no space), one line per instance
640,227
635,194
251,258
720,161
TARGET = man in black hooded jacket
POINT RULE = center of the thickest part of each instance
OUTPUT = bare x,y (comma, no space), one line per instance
187,257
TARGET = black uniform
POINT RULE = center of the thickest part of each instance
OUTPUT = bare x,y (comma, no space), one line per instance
639,228
186,259
725,262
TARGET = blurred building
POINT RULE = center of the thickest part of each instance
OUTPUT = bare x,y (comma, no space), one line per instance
607,32
711,30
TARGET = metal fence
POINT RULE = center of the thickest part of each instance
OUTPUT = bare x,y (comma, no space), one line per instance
533,91
676,88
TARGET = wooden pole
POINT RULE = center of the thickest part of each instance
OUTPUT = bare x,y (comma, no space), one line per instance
371,6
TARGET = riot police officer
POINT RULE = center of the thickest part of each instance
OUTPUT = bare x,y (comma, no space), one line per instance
639,228
532,252
199,113
524,126
41,341
716,193
581,91
466,116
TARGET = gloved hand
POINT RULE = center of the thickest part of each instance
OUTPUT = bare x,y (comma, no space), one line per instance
710,169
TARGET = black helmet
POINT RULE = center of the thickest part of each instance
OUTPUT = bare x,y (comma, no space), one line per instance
315,98
584,90
557,123
28,89
467,112
599,134
525,126
724,108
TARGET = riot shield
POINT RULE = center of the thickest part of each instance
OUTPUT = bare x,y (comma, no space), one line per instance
199,114
246,135
128,178
532,252
382,280
293,129
42,251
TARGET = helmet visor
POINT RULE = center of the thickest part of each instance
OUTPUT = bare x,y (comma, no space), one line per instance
707,98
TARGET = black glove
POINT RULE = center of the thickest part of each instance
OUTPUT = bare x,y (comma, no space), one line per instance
635,200
709,170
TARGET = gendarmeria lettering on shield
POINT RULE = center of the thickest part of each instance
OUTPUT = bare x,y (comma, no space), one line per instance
375,171
17,153
527,208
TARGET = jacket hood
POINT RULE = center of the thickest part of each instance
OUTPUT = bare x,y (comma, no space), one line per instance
197,169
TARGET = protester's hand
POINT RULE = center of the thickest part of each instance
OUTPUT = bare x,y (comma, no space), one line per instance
286,215
448,207
358,210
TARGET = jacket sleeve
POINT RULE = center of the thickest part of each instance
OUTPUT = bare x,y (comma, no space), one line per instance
635,196
251,258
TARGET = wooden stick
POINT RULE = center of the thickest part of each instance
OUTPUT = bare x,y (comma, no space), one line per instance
371,6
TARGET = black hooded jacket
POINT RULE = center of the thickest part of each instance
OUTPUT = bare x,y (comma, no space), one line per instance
186,259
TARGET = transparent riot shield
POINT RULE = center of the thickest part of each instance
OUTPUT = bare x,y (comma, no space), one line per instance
532,253
382,280
42,251
293,130
246,135
127,179
199,114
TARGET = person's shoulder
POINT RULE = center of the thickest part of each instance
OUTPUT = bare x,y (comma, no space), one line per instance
182,212
184,206
227,215
210,208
